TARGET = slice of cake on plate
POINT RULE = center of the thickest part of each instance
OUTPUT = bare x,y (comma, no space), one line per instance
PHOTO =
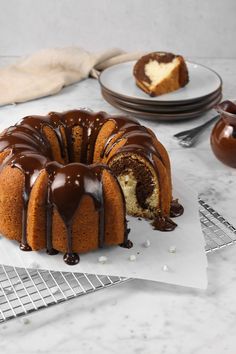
159,72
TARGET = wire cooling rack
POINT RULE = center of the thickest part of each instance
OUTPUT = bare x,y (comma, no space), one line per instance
23,291
218,232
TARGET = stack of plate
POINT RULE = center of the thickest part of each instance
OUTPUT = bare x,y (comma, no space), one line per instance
203,92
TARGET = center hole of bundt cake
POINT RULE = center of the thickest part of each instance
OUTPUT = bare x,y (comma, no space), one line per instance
76,146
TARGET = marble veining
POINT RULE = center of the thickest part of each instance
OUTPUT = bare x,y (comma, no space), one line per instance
140,316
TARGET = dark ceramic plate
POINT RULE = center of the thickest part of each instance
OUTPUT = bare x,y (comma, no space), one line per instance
185,108
161,116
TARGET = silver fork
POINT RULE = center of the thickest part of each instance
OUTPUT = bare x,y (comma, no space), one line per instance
189,137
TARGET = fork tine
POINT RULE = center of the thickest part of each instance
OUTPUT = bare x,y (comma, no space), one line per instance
197,129
183,133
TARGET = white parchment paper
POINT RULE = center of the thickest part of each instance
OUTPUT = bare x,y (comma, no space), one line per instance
186,267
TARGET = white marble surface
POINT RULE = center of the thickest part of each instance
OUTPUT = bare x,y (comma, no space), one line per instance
141,316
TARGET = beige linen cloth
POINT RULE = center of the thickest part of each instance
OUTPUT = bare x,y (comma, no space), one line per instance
46,72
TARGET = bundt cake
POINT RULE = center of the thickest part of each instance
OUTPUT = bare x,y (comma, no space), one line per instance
159,72
59,181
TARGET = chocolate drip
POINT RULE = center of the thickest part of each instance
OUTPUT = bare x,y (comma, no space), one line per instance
70,257
25,247
127,244
32,166
49,214
176,209
60,140
67,185
163,223
101,237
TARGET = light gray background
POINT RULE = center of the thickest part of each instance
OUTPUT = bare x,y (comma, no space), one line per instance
194,28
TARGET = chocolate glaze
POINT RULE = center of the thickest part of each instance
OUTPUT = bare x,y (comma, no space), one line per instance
30,151
163,223
24,247
68,184
128,244
176,209
71,258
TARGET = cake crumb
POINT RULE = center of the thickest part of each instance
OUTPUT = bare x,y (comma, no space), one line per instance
147,244
165,268
102,259
172,249
25,321
132,258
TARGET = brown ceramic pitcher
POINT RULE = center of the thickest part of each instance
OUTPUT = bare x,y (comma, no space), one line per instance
223,136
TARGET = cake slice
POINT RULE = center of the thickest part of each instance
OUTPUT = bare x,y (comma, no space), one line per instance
159,72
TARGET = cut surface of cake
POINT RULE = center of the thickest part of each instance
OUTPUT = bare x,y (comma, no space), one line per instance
159,72
67,180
